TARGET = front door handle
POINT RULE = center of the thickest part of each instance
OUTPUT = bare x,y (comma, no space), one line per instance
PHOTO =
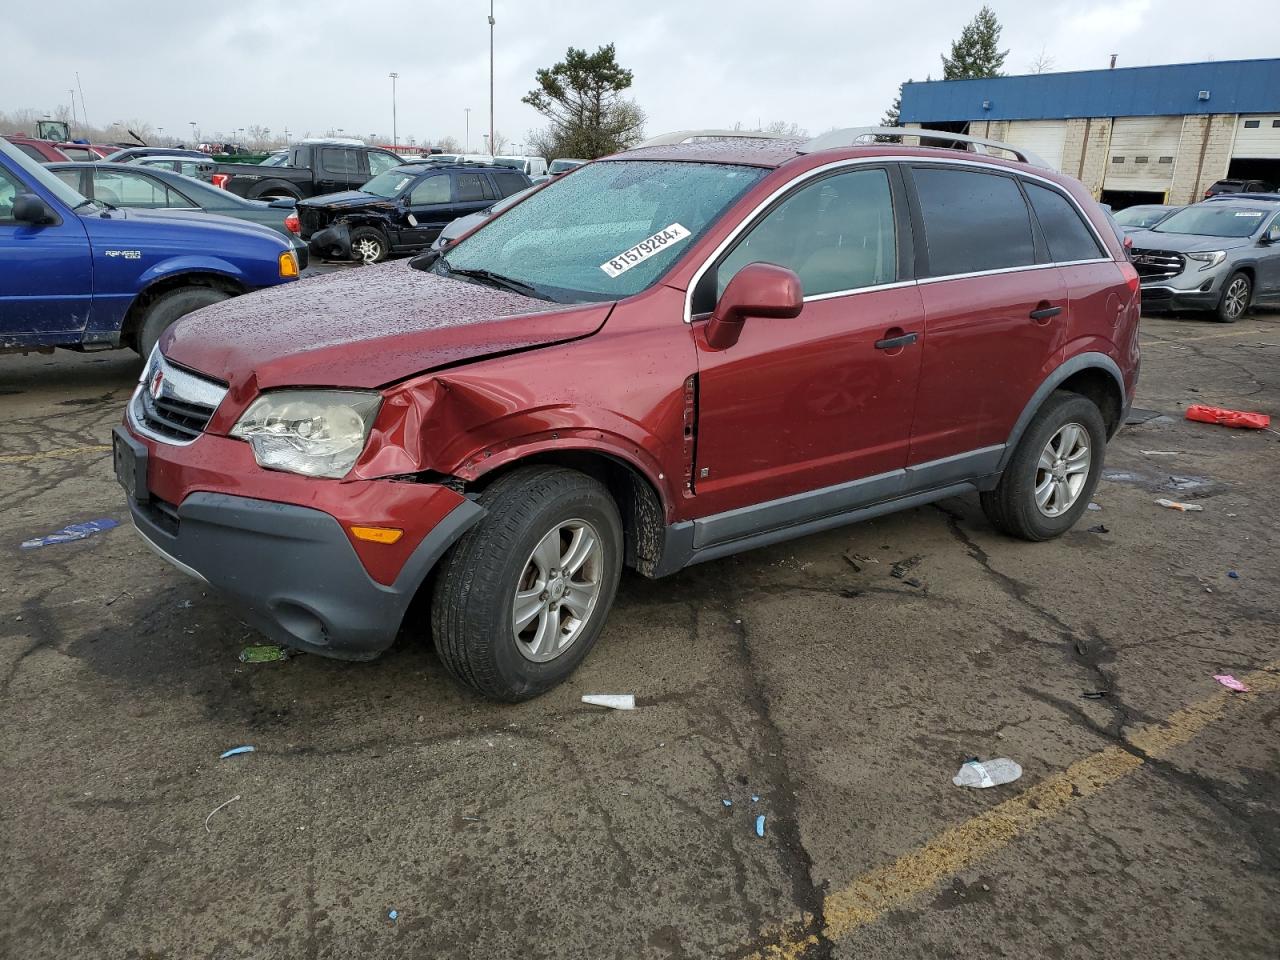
894,343
1045,311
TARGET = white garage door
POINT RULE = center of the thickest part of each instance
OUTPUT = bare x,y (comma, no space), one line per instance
1043,137
1257,138
1142,153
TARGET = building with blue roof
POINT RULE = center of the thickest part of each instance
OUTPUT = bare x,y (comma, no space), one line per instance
1138,134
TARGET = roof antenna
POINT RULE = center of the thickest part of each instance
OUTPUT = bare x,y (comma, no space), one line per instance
1113,61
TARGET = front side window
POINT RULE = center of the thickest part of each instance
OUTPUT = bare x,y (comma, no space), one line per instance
509,183
8,193
837,233
1065,233
434,189
973,222
609,231
128,189
79,153
1214,220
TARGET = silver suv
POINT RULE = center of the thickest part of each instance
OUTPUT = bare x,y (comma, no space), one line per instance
1222,256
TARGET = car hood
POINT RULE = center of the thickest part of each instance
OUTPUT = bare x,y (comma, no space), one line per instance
366,327
205,219
457,228
1185,242
347,198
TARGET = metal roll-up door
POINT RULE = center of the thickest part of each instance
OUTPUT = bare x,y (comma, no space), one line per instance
1044,137
1257,138
1142,153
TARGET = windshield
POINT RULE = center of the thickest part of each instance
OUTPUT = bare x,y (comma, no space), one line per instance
1214,220
560,166
516,163
390,183
34,171
1141,216
275,160
609,231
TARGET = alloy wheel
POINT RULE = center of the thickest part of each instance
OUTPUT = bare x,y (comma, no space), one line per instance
557,591
368,250
1237,298
1063,470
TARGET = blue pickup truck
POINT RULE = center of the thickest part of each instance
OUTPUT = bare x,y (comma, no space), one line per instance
85,275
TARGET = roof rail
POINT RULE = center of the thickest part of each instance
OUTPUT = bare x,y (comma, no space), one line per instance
850,136
685,136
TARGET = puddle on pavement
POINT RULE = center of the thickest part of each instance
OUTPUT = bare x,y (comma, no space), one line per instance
1165,482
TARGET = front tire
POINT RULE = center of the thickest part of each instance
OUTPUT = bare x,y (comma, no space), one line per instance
522,598
1053,472
368,246
171,307
1237,294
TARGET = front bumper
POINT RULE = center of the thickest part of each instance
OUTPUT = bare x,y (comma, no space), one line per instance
1162,297
291,570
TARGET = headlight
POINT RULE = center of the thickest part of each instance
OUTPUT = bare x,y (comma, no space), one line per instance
1210,258
319,433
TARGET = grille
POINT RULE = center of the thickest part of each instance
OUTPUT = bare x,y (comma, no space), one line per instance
171,417
171,404
1157,264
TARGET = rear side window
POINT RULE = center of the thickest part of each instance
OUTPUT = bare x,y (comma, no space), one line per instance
1068,238
472,186
30,151
973,221
509,183
340,162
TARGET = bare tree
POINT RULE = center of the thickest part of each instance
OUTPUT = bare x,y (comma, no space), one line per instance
783,129
448,145
1042,63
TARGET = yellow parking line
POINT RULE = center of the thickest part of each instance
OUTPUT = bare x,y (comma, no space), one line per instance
886,888
1212,336
64,452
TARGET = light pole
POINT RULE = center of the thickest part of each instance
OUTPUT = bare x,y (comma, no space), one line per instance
394,139
195,138
491,23
467,110
160,130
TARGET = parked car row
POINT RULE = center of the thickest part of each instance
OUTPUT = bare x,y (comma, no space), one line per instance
88,272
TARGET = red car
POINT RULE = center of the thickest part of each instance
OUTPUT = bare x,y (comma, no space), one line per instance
42,151
86,151
662,358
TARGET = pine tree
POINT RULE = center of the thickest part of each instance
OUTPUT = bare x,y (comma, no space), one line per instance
976,53
891,116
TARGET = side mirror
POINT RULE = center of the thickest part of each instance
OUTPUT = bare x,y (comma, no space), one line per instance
757,290
28,208
1273,234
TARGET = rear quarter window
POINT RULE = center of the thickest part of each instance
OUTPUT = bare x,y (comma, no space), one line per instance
973,222
1065,233
509,183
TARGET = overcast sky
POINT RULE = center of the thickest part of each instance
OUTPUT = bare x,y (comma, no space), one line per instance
317,65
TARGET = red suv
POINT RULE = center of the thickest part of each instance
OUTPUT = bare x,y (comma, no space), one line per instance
664,357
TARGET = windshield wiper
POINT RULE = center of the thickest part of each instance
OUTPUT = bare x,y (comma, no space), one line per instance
497,280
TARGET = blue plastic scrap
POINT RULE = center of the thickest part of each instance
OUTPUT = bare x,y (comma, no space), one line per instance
1233,575
75,531
727,803
393,915
754,798
760,825
237,750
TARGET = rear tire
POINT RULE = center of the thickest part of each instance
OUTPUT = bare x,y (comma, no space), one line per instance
1237,295
368,246
170,307
541,520
1038,496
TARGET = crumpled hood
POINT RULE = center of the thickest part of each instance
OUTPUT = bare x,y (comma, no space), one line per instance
1185,242
366,327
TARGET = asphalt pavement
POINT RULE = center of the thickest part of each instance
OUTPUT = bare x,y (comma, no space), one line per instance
833,686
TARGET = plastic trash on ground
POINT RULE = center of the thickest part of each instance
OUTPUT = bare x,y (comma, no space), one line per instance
760,825
263,653
236,751
1228,418
987,773
1183,507
1230,682
615,701
74,531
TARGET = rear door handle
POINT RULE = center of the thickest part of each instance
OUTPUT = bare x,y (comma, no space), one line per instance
1044,313
893,343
